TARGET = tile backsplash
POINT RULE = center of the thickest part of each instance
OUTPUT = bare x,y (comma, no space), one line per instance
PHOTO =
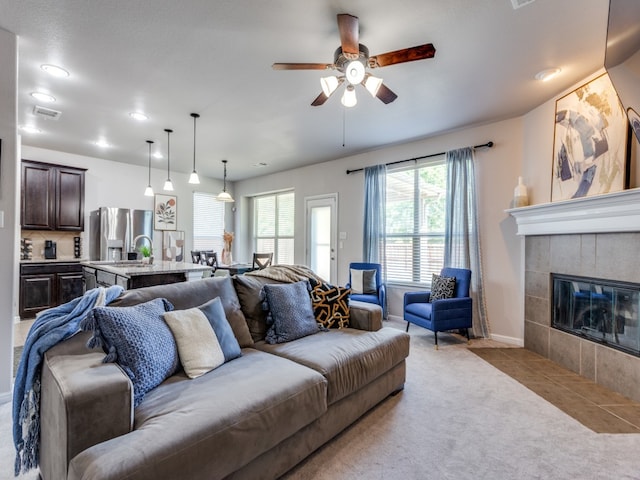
64,242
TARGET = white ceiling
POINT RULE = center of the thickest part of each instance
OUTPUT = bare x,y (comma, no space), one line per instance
169,59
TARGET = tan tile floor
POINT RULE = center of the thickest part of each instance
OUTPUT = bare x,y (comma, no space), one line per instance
596,407
20,331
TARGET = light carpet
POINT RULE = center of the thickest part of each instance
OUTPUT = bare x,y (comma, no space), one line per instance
457,418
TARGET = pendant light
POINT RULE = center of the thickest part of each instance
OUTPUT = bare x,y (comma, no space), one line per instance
223,196
168,185
194,175
149,190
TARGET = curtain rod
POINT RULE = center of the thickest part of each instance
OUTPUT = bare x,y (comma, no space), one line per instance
487,145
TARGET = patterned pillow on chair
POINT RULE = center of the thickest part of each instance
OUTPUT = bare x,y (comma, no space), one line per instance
330,304
442,287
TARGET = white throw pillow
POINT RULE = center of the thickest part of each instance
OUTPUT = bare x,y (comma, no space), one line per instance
198,345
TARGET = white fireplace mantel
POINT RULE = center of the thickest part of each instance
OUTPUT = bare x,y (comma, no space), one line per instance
613,212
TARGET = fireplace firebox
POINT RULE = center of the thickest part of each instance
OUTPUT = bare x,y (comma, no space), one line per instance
602,311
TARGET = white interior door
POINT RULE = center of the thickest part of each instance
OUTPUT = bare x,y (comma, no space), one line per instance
321,235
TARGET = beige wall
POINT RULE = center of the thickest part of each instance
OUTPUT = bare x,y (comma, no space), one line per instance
8,196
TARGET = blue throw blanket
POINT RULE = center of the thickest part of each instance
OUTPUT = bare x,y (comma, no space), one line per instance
50,328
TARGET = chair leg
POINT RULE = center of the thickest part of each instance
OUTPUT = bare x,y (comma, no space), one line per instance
408,323
468,339
435,334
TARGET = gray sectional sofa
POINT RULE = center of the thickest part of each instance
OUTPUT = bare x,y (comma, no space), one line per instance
254,417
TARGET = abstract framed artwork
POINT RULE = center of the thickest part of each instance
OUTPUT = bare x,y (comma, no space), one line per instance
589,142
173,246
165,216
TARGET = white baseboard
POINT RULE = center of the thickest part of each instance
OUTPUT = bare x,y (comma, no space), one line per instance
5,397
510,340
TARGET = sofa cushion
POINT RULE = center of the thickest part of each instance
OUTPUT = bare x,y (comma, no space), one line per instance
348,358
442,287
138,339
204,337
185,295
290,312
248,288
363,281
330,304
211,426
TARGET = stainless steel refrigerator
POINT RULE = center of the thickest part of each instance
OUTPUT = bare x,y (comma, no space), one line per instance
112,230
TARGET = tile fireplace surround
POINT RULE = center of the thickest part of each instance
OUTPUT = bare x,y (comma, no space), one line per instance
591,237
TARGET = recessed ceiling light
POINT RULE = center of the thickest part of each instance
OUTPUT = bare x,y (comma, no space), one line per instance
138,116
548,74
30,129
157,155
43,97
55,70
102,143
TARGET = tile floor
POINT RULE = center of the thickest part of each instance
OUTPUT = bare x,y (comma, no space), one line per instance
20,331
596,407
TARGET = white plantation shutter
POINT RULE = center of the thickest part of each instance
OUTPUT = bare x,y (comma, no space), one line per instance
415,217
208,222
274,225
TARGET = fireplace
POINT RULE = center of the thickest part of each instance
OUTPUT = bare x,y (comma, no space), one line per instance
583,241
602,311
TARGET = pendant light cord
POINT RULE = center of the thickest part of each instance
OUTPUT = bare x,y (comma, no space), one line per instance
150,142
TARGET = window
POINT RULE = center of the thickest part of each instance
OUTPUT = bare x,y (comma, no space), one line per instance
274,226
415,222
208,222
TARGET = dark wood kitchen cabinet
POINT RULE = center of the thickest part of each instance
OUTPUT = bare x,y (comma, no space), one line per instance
52,197
48,284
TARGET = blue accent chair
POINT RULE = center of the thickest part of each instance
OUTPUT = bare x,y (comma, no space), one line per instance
379,298
445,314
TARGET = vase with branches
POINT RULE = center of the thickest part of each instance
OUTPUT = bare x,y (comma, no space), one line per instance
227,238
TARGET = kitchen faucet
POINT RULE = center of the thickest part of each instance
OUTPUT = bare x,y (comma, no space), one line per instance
135,242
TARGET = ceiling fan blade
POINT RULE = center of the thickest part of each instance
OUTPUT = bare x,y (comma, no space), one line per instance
320,99
301,66
405,55
385,94
349,32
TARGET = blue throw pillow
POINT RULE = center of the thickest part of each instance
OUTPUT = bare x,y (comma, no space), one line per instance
290,311
214,311
137,339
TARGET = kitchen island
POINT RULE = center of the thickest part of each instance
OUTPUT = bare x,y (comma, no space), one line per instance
136,274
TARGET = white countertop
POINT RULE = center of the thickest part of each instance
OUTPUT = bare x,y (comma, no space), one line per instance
55,260
126,269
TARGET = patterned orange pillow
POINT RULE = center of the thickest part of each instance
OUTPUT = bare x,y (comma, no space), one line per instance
331,305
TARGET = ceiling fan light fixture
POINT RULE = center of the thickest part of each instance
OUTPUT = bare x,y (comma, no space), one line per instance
349,97
355,72
372,84
329,84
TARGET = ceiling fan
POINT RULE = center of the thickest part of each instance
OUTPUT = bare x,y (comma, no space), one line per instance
351,60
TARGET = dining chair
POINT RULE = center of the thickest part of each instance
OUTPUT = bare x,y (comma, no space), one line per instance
262,260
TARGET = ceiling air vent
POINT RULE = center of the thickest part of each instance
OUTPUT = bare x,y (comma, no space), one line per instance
520,3
45,112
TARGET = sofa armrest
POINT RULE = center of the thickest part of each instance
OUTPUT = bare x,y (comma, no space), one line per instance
365,316
83,402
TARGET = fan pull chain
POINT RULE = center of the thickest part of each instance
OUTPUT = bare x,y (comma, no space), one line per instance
344,125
